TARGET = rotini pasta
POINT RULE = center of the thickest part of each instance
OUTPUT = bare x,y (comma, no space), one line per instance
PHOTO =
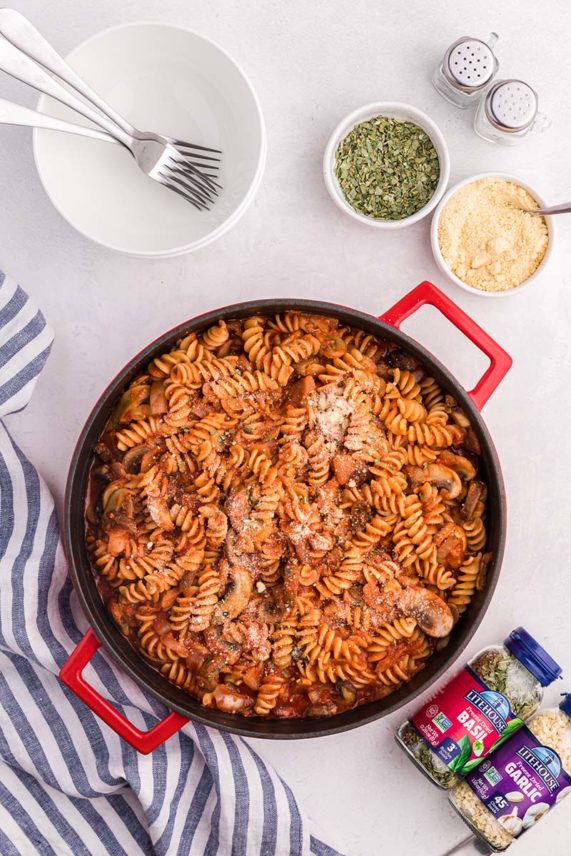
284,516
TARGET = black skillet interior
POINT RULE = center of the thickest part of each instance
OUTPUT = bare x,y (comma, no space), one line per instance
150,679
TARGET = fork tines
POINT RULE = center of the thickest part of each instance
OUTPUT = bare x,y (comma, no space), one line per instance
181,144
194,181
195,187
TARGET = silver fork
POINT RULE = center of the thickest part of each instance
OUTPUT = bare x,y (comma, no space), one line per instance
162,162
15,114
23,35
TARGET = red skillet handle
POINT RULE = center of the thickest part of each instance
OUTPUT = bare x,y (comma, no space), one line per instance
142,741
426,292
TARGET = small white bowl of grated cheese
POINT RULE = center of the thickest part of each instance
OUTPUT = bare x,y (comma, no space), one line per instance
484,239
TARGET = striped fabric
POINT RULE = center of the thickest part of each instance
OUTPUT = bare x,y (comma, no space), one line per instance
68,784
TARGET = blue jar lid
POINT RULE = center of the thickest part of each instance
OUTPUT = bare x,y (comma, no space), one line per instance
531,655
565,704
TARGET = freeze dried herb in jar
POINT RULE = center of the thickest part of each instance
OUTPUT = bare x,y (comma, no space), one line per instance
523,780
483,705
431,763
502,672
387,168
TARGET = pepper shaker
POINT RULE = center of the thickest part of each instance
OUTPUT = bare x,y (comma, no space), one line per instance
508,112
466,70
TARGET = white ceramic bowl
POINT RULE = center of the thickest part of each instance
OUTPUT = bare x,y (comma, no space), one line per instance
436,246
394,110
170,80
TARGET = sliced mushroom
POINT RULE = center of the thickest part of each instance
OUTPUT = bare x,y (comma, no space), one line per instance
437,474
447,480
230,700
406,362
133,457
433,615
122,615
118,541
416,475
159,511
384,370
237,594
227,652
174,645
209,672
321,709
475,493
470,442
253,676
196,656
450,545
114,498
265,609
461,465
334,347
359,515
348,692
104,452
157,399
460,417
132,404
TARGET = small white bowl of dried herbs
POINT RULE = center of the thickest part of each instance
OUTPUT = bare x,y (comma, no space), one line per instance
386,165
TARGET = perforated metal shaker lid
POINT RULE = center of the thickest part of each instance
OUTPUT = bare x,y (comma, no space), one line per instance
470,63
511,105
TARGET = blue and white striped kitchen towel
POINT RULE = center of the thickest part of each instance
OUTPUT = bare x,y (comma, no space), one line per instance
68,784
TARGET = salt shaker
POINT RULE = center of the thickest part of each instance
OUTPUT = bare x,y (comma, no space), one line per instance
509,112
466,70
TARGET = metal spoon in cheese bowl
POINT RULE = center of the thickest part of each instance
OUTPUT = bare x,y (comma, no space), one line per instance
184,167
563,208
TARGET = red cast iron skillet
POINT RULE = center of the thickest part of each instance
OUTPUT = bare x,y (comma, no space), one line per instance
183,706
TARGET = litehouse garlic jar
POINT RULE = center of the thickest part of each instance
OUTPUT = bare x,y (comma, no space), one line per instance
514,788
479,708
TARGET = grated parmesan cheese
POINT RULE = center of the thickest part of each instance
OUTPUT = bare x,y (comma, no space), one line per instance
487,238
332,413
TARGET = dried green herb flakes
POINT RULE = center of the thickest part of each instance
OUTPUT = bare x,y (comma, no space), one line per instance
387,169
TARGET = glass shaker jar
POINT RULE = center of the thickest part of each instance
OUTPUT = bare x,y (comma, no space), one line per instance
509,112
469,717
466,70
508,793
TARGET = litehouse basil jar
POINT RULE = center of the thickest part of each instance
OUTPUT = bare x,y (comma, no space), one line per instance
523,779
475,712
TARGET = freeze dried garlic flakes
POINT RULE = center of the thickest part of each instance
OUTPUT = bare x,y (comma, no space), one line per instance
551,727
487,238
480,818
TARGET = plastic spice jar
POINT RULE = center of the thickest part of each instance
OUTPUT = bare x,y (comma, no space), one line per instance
479,708
523,779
